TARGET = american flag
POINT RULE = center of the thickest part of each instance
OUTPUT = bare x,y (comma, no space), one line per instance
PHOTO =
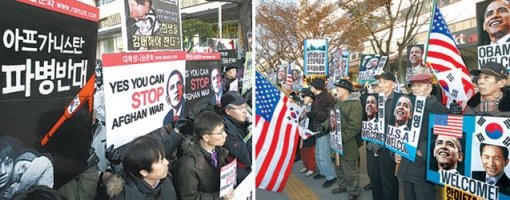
289,75
450,125
277,123
444,58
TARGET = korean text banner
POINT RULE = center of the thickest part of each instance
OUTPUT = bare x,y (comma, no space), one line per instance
47,57
155,25
402,136
372,128
474,161
316,57
370,65
203,80
142,90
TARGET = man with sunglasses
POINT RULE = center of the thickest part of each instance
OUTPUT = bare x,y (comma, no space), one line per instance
235,114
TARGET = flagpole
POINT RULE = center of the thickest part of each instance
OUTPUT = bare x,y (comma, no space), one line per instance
434,2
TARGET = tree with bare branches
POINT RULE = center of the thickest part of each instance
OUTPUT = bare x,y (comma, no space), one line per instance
282,28
384,18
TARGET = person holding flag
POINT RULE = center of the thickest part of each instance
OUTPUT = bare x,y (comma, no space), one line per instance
443,57
492,93
413,174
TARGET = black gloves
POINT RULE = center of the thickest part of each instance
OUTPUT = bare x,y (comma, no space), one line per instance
92,161
321,129
113,155
455,108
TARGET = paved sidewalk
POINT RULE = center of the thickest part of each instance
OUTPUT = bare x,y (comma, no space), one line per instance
300,187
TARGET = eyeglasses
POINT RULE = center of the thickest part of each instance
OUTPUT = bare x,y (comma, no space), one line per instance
222,131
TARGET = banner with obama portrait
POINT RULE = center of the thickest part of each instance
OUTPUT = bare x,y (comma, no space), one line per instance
151,25
493,28
47,57
469,155
143,91
203,80
403,133
370,66
372,128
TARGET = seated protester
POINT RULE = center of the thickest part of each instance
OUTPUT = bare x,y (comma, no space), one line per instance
197,174
146,174
235,115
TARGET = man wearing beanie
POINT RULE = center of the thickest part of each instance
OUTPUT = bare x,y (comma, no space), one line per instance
229,78
318,114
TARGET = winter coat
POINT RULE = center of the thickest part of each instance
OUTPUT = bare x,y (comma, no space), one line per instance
415,171
127,187
82,187
503,109
236,132
351,113
319,112
195,176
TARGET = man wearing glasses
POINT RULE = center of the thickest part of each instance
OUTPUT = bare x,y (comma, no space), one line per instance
235,114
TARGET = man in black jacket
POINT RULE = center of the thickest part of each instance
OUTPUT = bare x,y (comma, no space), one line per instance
494,160
235,114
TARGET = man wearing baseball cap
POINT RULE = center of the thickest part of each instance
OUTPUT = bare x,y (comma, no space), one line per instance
492,98
413,174
235,114
380,165
350,120
318,114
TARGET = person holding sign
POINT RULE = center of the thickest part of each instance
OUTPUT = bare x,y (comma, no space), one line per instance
413,174
380,165
492,95
351,114
497,21
198,170
239,140
494,160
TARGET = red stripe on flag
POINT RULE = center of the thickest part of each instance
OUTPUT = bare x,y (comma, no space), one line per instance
444,44
267,160
279,165
447,58
289,166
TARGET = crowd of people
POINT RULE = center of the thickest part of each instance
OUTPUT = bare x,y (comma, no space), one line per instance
384,176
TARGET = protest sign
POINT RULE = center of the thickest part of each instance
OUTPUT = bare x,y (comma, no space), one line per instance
47,56
316,57
142,92
463,150
203,79
157,29
373,123
403,131
228,177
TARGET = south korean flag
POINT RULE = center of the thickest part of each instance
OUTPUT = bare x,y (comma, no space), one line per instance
493,130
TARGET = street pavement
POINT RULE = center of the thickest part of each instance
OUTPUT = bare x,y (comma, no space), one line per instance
301,187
